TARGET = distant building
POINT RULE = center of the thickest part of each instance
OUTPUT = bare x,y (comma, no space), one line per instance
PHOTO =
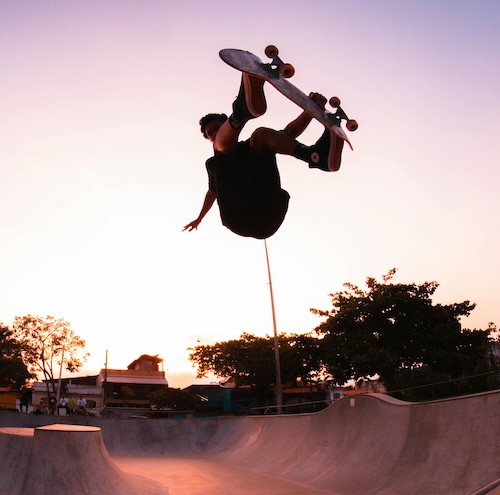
145,363
111,389
77,387
369,385
8,398
312,397
130,388
125,393
226,398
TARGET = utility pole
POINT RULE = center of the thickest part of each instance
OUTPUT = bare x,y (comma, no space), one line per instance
279,392
58,396
105,383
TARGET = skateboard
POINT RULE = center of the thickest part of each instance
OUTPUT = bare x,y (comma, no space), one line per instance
277,73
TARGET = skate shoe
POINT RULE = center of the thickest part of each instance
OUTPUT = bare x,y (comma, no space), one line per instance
250,102
326,154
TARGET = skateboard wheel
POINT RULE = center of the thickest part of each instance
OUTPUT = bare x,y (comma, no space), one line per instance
271,51
287,70
351,125
335,101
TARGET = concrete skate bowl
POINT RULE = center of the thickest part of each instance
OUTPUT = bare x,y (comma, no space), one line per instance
365,445
57,459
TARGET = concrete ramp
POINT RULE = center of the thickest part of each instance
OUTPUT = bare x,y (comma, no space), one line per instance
59,459
369,444
374,444
15,451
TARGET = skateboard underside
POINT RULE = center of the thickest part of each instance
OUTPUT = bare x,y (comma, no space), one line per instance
247,62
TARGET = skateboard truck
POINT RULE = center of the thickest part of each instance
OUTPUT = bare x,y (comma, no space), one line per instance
285,70
340,115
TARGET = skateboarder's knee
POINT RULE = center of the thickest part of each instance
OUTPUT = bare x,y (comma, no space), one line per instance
261,132
269,140
262,138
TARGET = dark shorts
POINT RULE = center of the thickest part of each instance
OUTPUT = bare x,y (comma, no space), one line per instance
251,200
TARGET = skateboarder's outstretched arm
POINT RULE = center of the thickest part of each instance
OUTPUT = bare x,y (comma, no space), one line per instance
210,198
295,128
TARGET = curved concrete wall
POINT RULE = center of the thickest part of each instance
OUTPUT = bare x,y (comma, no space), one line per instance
362,445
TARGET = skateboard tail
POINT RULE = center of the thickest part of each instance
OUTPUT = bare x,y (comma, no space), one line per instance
342,135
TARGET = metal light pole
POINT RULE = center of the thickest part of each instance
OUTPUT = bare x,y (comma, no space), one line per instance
279,394
58,396
105,383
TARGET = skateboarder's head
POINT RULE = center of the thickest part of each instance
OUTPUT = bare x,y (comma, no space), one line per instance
209,118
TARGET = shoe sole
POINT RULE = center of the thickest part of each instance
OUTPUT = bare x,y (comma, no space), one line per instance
254,95
335,152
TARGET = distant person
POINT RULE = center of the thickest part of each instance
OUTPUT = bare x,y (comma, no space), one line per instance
52,403
39,408
81,404
63,404
25,400
71,406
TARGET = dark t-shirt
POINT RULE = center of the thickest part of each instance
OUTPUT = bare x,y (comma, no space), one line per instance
249,194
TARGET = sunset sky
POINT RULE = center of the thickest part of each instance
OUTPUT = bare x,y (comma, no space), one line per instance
102,164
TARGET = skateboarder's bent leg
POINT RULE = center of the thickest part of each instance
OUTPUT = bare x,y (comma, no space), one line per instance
285,142
264,140
321,155
249,104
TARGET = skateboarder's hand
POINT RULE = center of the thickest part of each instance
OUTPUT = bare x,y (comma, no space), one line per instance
319,99
192,225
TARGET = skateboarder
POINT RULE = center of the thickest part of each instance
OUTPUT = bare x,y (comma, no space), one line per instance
243,176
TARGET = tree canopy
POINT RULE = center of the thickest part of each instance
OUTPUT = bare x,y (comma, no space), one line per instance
389,329
13,372
250,361
172,398
394,330
46,342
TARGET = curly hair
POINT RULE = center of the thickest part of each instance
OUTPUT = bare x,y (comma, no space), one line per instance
219,117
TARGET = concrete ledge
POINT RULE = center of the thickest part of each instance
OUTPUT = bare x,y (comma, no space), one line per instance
61,459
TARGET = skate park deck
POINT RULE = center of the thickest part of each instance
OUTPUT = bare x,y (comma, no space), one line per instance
367,444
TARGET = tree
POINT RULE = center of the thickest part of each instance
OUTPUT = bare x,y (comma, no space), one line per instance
13,372
394,330
249,361
172,398
301,358
46,342
126,393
